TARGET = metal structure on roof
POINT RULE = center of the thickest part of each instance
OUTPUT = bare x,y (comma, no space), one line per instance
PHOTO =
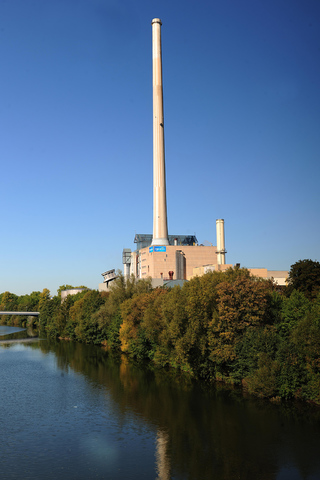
109,276
145,239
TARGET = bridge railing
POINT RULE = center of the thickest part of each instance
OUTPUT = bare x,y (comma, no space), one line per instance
30,314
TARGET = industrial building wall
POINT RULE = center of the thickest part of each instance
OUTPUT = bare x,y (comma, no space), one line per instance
199,271
259,272
158,261
279,276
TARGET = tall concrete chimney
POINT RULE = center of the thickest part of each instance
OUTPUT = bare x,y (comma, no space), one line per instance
221,251
160,224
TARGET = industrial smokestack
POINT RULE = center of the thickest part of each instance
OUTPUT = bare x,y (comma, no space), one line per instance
221,252
160,224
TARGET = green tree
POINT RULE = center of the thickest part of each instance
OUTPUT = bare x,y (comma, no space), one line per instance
170,349
81,315
29,303
141,324
293,309
304,276
201,295
305,339
44,297
248,350
263,381
49,308
109,315
243,303
9,302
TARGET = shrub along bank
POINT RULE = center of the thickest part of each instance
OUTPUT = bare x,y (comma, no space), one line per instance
229,327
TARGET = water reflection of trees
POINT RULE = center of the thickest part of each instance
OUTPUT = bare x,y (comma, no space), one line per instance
213,433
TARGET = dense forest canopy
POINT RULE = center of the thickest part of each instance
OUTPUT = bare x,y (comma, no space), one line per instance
223,326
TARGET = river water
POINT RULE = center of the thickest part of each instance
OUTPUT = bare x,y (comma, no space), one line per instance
72,411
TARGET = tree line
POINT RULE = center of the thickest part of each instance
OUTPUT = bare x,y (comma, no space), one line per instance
223,326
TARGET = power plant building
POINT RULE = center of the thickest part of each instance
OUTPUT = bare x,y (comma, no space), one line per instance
161,256
174,261
171,258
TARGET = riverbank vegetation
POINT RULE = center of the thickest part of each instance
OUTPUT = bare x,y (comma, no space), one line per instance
229,327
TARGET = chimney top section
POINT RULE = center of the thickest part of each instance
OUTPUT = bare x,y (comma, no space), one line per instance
156,20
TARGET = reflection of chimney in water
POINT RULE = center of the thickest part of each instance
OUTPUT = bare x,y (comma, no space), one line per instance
160,225
163,462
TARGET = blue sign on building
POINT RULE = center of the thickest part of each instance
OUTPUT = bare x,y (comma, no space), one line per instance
157,249
160,249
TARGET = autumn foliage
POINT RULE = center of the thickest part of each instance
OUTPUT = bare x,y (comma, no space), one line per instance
229,326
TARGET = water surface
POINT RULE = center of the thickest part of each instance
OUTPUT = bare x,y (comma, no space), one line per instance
4,330
72,411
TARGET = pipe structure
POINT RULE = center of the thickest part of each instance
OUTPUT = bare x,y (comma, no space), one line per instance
160,223
221,251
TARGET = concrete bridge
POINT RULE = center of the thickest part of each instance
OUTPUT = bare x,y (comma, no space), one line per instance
30,314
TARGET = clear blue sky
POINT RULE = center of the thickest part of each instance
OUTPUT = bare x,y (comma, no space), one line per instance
242,131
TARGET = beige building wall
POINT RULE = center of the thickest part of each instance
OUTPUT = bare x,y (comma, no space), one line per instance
279,276
198,271
158,264
259,272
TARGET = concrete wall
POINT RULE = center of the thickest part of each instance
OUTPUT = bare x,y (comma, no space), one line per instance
105,286
71,291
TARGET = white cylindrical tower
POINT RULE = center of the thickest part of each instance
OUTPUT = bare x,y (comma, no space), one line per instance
126,270
221,251
160,224
126,260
